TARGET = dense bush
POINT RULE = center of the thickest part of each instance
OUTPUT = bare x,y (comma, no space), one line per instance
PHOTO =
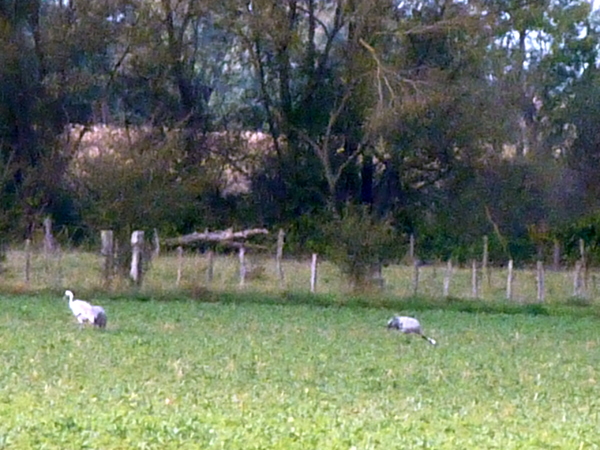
358,243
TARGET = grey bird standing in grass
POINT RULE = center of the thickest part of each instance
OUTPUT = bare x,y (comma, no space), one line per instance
100,318
408,325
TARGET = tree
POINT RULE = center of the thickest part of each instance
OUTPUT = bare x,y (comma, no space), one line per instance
127,179
29,120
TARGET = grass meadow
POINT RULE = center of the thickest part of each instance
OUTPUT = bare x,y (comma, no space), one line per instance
188,374
180,367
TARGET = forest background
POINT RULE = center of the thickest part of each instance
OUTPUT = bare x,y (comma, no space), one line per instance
351,124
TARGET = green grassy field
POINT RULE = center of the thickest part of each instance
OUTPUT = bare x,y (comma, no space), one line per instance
227,375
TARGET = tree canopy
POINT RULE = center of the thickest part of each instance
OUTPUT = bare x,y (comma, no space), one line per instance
420,111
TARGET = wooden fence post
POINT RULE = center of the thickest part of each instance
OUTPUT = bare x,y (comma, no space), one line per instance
485,269
279,257
137,246
313,273
376,276
474,287
156,244
584,265
540,281
59,274
210,256
242,257
415,280
27,260
411,249
117,256
179,265
107,250
556,255
49,242
509,281
447,276
577,279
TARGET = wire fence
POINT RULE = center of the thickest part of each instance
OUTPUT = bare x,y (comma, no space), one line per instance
31,269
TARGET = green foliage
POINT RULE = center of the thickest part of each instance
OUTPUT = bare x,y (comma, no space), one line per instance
138,185
413,108
587,230
359,242
186,375
306,234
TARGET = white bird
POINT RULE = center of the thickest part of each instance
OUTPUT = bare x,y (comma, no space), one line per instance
86,312
82,310
408,325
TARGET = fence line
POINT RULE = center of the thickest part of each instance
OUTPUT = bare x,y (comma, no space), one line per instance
44,271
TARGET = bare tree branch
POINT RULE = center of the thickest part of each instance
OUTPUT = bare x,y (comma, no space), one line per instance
322,149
